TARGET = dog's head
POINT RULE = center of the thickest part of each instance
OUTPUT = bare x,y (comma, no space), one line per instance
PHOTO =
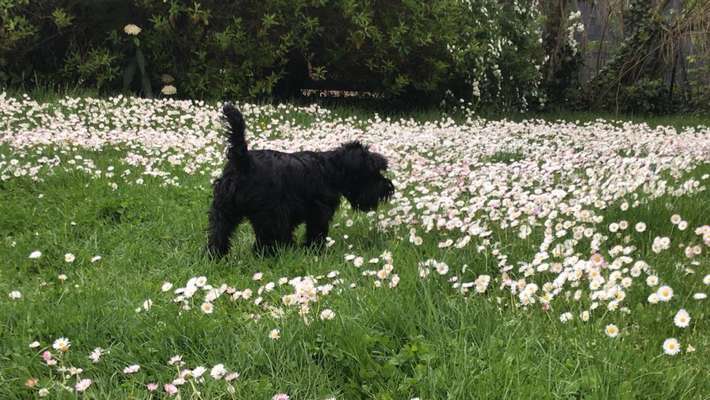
363,183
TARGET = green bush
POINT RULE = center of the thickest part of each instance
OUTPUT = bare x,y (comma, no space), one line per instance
699,88
646,97
481,50
497,50
61,40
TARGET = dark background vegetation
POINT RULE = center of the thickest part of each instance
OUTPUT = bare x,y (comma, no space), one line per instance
618,56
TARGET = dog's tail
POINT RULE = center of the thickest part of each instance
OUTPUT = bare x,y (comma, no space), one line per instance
237,152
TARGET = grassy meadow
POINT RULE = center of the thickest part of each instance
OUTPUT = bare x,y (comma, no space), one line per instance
520,259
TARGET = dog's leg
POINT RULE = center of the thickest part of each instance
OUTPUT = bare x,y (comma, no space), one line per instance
317,226
273,232
222,226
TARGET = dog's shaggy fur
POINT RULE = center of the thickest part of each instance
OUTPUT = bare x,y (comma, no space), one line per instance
278,191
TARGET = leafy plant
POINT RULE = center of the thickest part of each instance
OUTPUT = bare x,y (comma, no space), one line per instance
95,67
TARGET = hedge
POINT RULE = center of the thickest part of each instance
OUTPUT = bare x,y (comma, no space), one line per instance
486,51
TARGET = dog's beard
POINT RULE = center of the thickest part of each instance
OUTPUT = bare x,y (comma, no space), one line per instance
370,196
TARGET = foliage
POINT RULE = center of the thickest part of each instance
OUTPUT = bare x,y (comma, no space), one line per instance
651,71
645,96
563,55
476,49
511,55
96,67
498,53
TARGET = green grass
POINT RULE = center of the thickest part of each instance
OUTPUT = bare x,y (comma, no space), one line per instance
419,340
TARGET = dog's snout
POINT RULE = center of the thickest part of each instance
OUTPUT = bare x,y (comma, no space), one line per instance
389,188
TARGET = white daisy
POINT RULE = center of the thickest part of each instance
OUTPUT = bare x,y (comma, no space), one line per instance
218,371
131,369
62,344
681,319
132,29
671,346
611,330
665,293
327,314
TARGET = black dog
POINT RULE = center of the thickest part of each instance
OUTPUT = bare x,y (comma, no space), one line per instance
278,191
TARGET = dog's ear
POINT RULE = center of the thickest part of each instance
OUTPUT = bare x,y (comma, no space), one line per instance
357,157
353,156
376,162
354,146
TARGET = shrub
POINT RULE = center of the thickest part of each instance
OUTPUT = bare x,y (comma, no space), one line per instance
482,50
498,53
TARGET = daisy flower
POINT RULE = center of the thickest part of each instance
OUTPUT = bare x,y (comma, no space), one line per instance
170,389
168,90
327,314
175,360
681,319
200,281
95,355
442,268
671,346
62,344
564,317
218,371
665,293
199,371
131,29
611,330
131,369
82,385
207,308
597,259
